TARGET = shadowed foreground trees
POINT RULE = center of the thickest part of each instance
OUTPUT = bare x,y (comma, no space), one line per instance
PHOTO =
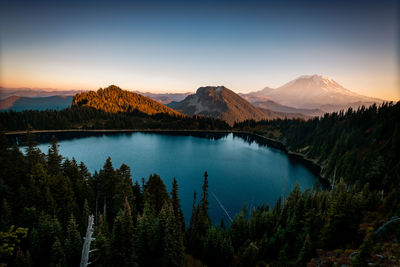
144,226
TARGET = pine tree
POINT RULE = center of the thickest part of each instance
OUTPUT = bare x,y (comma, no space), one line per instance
122,246
85,216
204,197
179,219
109,183
155,192
172,238
84,170
239,230
146,237
64,198
73,243
203,218
102,243
33,153
199,223
6,216
124,189
53,157
117,249
218,250
39,191
305,252
138,197
190,235
43,237
194,212
57,254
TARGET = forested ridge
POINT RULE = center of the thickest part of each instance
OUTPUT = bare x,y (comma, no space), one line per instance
46,200
114,99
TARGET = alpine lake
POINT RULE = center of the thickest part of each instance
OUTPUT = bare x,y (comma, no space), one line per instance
242,170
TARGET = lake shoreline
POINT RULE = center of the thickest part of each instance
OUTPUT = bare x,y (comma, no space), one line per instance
311,164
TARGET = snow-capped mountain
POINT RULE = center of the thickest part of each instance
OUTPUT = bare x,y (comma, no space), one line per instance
314,91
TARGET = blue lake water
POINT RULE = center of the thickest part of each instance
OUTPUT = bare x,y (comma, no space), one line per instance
239,172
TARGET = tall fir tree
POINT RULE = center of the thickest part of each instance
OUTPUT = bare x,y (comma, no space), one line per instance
147,238
122,245
102,243
73,243
171,238
53,157
57,254
178,214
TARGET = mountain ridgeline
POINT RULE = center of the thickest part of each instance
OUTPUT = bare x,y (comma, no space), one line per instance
304,97
113,99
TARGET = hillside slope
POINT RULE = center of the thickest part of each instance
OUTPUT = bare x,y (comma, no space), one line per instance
218,102
114,99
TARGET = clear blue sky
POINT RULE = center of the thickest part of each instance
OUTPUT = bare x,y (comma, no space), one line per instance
178,46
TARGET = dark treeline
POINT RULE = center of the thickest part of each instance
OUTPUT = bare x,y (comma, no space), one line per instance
46,201
91,118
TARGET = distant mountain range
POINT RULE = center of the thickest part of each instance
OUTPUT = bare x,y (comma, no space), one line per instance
312,92
305,97
165,98
18,103
28,92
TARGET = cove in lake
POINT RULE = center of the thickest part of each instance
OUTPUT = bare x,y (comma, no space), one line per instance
239,172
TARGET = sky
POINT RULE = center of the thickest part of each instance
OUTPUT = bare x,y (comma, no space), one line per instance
178,46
